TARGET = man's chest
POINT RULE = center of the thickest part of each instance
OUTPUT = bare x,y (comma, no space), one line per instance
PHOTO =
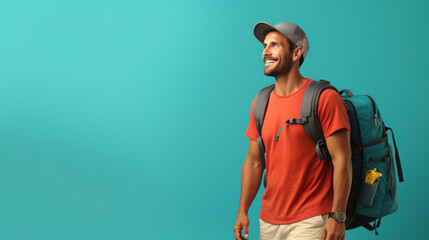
277,113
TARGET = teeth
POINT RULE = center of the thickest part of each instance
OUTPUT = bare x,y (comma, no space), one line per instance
269,62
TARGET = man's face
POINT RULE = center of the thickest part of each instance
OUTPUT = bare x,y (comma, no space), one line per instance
276,54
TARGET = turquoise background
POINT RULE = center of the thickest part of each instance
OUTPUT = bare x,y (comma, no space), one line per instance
126,119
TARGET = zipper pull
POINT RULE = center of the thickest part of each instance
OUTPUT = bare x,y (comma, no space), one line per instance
376,121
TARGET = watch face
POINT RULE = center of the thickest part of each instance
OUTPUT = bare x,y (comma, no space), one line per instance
339,216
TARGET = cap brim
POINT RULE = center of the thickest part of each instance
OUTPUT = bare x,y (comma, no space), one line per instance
261,29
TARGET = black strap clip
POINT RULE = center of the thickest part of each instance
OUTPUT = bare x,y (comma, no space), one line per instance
321,149
301,121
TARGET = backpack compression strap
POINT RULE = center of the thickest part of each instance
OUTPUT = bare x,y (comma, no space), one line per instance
398,161
259,108
309,119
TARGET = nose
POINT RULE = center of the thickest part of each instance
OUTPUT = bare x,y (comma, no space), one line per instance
266,52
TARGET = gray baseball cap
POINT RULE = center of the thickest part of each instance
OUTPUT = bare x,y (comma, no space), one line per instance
291,31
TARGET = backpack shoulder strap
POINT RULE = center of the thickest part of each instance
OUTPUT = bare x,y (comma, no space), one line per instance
311,122
259,108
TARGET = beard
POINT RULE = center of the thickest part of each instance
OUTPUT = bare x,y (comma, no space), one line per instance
281,68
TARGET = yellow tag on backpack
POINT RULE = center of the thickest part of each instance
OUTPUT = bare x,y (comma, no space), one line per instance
372,175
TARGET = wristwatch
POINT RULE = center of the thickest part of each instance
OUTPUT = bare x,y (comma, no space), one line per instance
338,216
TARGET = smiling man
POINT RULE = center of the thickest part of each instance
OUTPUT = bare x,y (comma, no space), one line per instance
305,198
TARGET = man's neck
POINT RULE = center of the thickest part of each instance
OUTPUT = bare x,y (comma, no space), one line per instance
289,83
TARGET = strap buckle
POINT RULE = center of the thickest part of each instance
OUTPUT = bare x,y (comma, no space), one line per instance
322,150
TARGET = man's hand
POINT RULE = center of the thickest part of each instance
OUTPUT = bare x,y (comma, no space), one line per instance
334,230
242,223
251,176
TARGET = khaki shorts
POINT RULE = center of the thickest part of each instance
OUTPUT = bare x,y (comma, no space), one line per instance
307,229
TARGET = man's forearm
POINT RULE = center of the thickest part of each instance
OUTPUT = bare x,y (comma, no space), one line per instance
342,181
251,176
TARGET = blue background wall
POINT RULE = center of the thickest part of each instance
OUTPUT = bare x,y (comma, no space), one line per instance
126,119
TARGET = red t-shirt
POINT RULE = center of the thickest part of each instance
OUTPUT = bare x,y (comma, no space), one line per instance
299,185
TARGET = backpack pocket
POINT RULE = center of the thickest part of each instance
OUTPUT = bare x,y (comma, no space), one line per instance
367,195
377,158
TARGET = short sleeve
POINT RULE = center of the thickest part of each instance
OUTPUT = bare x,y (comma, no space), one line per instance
251,131
332,112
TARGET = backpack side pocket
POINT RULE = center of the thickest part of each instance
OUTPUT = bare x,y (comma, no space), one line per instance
368,192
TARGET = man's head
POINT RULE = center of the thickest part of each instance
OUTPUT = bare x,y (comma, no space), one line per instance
276,55
283,43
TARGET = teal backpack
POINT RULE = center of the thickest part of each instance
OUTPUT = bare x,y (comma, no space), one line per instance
372,156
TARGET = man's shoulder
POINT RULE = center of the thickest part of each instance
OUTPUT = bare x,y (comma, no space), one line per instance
330,95
330,99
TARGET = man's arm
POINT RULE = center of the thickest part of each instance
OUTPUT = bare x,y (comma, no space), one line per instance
251,175
339,148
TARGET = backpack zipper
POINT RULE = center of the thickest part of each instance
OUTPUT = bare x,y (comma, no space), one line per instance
376,121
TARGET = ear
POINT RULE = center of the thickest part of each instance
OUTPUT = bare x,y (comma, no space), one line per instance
297,53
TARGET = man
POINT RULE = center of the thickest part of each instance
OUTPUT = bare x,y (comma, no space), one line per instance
305,198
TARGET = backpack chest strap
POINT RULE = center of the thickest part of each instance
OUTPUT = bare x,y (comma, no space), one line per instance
309,118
